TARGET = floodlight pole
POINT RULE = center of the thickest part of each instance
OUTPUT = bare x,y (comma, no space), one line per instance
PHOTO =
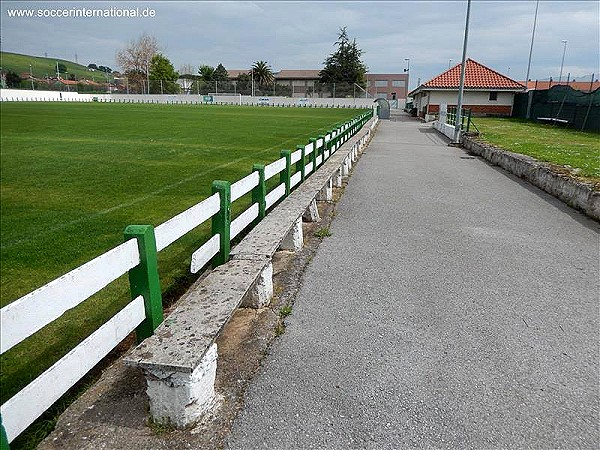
461,86
530,94
562,63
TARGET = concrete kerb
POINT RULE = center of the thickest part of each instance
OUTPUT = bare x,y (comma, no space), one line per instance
179,361
574,193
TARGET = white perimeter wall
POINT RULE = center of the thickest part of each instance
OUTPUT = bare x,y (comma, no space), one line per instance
28,95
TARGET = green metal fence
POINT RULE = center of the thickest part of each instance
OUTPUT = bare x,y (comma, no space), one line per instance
466,123
562,104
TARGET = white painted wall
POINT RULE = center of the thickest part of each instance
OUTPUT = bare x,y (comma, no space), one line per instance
42,96
470,98
45,96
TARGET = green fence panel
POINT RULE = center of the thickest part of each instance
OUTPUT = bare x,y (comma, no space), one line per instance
221,222
286,174
144,279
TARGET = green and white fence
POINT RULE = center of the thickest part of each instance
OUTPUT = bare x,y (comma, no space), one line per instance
137,256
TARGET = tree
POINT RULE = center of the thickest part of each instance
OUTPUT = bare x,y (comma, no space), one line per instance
13,80
163,75
220,73
61,68
244,84
344,66
92,66
105,69
206,73
262,73
135,59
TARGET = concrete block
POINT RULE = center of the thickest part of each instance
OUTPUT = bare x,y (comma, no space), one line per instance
180,398
326,194
312,213
261,292
345,168
337,179
295,239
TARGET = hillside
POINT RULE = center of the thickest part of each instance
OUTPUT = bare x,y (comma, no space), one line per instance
46,67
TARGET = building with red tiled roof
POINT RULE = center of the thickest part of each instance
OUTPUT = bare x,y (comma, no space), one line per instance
486,92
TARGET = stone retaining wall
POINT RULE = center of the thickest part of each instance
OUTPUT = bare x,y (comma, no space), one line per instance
574,193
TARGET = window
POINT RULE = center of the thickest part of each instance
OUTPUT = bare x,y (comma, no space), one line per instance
398,83
381,83
493,96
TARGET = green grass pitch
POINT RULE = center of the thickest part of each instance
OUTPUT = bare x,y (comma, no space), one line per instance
74,175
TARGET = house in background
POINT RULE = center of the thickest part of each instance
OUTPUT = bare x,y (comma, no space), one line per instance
390,86
305,83
486,92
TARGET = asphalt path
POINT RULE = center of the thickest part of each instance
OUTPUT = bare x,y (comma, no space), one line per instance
454,306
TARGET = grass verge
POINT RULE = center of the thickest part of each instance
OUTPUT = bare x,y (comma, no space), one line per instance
577,151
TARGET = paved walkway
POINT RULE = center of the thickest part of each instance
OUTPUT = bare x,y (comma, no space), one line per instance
454,306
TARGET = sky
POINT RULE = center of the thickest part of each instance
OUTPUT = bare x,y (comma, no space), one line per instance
300,34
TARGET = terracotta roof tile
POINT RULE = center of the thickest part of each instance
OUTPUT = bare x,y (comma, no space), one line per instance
477,76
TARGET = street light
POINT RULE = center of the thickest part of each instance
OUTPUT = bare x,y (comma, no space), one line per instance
461,85
407,70
562,63
530,93
449,63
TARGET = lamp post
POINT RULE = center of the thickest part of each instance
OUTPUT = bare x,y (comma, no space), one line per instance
530,93
449,63
562,63
461,86
31,77
407,70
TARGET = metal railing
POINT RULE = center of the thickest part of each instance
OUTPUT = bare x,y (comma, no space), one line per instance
466,121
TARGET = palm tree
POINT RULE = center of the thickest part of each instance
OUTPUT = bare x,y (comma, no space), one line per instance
262,73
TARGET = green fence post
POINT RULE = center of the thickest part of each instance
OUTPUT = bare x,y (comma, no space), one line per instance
468,119
3,438
144,279
313,155
259,193
326,145
221,222
286,174
300,165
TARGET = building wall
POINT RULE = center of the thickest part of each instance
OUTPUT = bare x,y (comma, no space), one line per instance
388,89
477,101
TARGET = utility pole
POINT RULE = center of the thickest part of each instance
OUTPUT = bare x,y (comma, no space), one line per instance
461,86
530,93
562,63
